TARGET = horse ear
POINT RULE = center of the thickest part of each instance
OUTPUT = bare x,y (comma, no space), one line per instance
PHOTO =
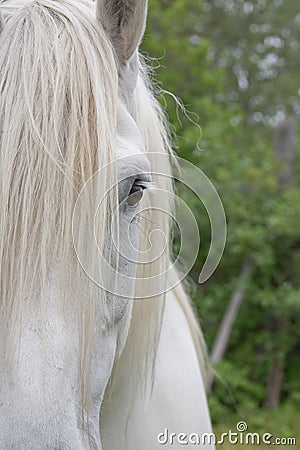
124,21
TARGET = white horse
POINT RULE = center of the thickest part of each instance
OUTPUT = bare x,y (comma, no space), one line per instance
74,104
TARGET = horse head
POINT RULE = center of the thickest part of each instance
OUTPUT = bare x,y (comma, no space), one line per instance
73,160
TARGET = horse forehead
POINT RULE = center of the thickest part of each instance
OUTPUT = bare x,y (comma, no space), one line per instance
131,148
129,137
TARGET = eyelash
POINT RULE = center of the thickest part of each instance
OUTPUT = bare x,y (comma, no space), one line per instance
144,184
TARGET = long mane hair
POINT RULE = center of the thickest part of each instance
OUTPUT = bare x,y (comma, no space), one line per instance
58,97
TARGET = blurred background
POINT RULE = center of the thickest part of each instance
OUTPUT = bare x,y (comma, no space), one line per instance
235,65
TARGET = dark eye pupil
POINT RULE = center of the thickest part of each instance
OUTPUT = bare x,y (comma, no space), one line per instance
135,195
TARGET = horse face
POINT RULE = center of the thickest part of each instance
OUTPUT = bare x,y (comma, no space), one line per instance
41,400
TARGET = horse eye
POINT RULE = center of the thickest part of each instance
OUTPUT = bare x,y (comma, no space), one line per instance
135,195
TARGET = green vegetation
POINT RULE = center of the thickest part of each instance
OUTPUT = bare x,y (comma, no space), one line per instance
235,66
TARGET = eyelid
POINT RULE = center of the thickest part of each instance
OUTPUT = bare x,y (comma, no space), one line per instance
145,184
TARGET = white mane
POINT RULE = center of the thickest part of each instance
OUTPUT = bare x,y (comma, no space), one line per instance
58,96
147,314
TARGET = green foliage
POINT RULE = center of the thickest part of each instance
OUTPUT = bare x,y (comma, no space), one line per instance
283,423
257,42
235,64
